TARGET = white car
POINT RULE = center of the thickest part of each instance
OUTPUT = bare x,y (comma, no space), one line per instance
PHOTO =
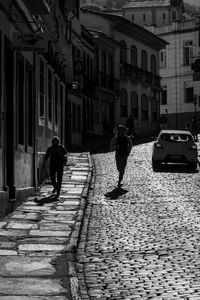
175,146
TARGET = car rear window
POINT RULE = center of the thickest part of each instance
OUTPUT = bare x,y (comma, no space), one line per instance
176,138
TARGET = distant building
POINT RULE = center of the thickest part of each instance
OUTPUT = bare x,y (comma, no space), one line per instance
180,101
180,86
153,12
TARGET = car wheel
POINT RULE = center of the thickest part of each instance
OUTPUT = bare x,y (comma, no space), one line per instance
155,165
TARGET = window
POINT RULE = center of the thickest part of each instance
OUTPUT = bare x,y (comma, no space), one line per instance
20,97
62,99
164,96
103,62
187,52
96,112
123,103
189,94
41,90
134,57
78,119
198,99
74,117
144,17
144,60
133,18
123,52
78,53
29,102
50,98
164,16
174,16
84,63
134,105
88,66
144,108
56,101
110,65
163,60
91,69
153,64
153,110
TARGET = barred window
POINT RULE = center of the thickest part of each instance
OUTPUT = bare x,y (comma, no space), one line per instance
134,58
144,60
123,103
189,94
164,96
134,105
144,108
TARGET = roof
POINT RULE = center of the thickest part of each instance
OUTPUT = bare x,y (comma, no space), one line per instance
175,131
130,28
147,3
100,34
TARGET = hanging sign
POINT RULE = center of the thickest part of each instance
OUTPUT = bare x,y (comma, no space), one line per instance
36,42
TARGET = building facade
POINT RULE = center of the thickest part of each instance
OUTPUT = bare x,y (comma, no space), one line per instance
180,87
180,103
136,67
34,79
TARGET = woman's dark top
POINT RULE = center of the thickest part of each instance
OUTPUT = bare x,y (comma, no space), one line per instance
123,146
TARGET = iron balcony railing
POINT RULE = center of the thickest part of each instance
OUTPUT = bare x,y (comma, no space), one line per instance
106,81
138,74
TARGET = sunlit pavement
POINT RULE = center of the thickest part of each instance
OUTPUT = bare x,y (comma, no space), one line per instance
38,240
142,241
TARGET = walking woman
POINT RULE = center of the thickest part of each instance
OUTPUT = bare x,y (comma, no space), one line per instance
122,145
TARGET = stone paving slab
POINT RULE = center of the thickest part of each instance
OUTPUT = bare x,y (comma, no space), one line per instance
31,286
37,240
34,297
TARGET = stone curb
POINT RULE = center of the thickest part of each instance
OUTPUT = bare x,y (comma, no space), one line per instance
74,239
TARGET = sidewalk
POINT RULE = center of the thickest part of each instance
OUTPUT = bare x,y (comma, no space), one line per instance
38,240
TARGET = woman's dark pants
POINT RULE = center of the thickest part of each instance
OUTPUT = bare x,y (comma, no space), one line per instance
121,165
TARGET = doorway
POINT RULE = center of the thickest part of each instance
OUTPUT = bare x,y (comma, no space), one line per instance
9,124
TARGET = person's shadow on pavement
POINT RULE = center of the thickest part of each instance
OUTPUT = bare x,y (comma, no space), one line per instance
116,193
48,199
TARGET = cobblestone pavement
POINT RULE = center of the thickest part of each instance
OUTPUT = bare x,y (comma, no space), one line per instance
144,241
38,238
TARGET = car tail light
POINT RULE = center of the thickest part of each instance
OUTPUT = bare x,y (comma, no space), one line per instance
158,145
193,147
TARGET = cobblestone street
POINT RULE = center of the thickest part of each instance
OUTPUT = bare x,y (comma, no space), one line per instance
143,241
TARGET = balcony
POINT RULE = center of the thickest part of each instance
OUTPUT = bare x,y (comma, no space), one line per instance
106,81
38,7
128,71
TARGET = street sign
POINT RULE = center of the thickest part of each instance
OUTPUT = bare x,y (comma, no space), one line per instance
36,42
